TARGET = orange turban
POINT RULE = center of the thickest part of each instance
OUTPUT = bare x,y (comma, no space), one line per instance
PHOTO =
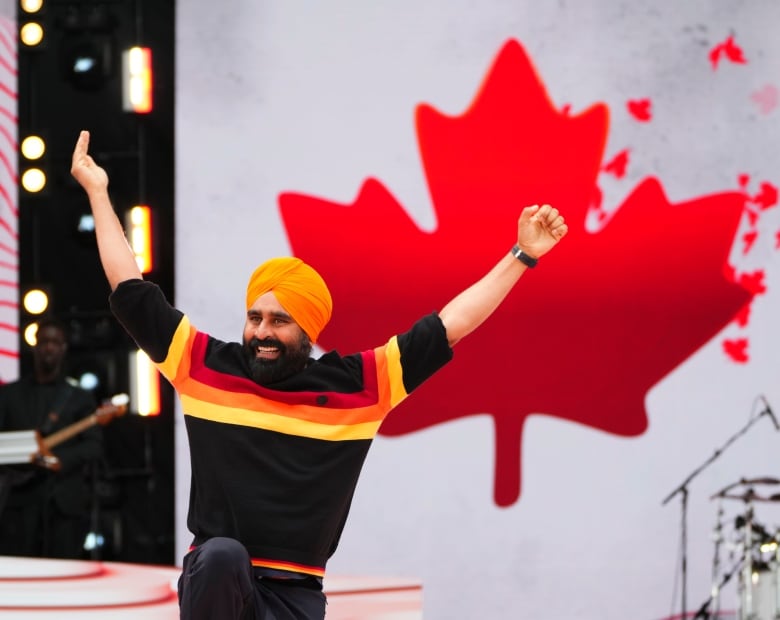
298,287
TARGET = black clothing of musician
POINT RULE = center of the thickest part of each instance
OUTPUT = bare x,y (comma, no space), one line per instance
46,512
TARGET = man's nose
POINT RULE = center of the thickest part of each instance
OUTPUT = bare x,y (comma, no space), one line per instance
262,330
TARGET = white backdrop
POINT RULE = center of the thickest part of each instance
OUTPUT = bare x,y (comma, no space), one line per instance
9,242
315,97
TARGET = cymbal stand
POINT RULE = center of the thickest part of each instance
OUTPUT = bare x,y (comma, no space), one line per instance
776,577
746,607
718,538
682,490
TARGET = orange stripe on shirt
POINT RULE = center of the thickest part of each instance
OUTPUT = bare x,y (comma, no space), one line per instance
289,425
291,566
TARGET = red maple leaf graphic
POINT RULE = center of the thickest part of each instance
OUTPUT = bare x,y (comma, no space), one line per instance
629,304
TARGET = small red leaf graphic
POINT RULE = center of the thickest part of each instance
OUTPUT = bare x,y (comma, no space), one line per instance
743,316
752,216
748,239
767,196
728,50
733,51
640,109
766,98
627,309
737,350
617,165
753,282
743,180
714,55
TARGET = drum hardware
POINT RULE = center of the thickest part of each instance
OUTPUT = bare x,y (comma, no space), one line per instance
717,583
756,555
682,491
746,605
769,547
717,587
749,494
759,534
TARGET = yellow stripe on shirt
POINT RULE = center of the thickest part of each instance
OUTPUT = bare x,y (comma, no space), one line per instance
278,423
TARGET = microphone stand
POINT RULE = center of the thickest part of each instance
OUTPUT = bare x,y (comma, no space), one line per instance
682,490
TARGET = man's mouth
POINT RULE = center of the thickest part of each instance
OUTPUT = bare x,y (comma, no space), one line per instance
267,352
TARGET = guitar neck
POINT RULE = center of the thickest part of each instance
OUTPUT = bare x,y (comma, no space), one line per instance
66,433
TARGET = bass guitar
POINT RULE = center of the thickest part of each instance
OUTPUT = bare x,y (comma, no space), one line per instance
30,447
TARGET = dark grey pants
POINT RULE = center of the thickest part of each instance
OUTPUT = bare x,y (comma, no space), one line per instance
218,583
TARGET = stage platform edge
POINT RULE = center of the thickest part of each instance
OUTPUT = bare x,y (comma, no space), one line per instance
43,589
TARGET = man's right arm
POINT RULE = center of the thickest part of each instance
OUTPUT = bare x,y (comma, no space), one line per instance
116,256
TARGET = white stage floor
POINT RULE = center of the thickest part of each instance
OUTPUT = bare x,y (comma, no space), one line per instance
43,589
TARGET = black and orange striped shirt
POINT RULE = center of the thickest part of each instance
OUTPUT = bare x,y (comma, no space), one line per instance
276,469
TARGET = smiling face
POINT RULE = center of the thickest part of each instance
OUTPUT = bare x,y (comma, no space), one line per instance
275,345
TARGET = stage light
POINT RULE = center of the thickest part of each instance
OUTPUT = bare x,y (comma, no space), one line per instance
31,334
89,381
86,224
31,6
144,385
93,541
139,224
31,34
33,180
86,60
88,371
33,147
137,80
35,301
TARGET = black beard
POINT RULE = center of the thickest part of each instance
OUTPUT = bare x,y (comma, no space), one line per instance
291,360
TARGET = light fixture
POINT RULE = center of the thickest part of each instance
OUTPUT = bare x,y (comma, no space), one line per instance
139,226
137,80
35,301
144,385
31,34
32,150
89,381
89,371
31,334
86,55
33,147
31,6
86,224
33,180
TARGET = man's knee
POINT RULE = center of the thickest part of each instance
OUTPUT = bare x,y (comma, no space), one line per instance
216,581
219,558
